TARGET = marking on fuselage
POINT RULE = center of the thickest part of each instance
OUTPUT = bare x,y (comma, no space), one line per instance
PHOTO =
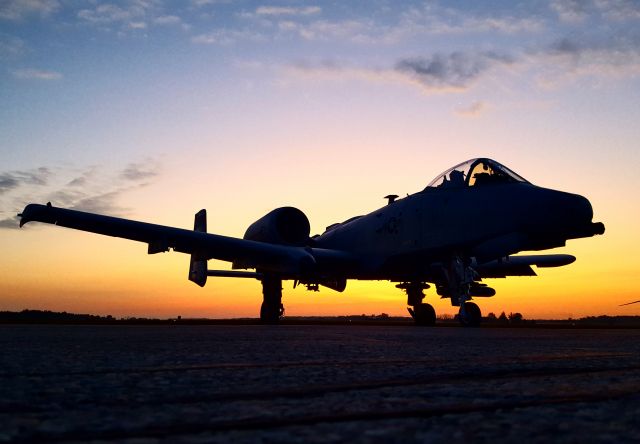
391,226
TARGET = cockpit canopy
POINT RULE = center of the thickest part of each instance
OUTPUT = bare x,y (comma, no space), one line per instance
474,173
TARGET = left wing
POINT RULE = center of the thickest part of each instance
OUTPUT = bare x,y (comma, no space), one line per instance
268,257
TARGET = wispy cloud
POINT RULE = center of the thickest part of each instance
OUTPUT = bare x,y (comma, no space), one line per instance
227,37
572,11
284,11
433,19
454,71
140,171
14,179
16,182
105,203
438,73
10,222
472,110
168,20
22,9
619,10
10,46
109,13
616,55
128,15
36,74
91,189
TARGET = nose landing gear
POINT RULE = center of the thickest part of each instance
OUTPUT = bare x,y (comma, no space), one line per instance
460,277
470,315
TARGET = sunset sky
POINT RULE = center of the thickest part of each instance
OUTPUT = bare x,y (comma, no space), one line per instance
152,110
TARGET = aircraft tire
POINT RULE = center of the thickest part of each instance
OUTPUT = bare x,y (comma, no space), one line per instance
473,315
423,314
269,313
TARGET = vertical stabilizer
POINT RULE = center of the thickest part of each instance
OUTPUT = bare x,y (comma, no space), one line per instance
198,265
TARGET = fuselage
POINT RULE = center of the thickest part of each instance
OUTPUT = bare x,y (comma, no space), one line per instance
483,222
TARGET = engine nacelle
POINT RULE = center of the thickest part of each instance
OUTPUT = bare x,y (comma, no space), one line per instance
283,226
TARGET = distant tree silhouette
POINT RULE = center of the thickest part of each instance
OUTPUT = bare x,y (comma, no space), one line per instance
503,318
491,317
515,318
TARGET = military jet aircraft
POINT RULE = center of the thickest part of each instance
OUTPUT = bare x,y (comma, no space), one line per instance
463,227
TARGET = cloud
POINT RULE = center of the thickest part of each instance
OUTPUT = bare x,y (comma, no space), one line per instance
105,203
227,37
132,14
137,25
356,31
454,71
619,10
201,3
10,222
21,9
281,10
578,11
36,74
18,181
438,73
7,183
139,171
92,189
572,11
168,20
472,110
14,179
432,19
108,13
615,55
11,46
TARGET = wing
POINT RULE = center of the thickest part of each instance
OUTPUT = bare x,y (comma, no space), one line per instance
268,257
521,265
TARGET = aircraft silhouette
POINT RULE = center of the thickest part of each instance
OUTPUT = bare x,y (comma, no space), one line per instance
464,226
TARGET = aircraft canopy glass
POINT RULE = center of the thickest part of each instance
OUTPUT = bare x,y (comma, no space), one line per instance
474,173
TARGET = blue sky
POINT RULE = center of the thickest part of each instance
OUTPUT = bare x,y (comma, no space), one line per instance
153,109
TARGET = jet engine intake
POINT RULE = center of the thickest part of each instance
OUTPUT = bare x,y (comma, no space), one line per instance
283,226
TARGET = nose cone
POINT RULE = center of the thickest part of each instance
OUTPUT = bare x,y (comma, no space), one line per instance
567,215
573,209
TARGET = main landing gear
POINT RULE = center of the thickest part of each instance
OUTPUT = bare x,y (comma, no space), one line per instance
455,283
272,309
422,314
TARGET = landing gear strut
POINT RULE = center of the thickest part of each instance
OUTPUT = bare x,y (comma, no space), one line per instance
461,276
422,314
272,308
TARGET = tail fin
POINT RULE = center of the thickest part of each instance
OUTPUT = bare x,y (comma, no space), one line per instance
198,265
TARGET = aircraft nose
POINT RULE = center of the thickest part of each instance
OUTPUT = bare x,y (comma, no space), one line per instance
569,214
575,209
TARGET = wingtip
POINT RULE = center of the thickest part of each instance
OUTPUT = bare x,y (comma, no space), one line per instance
37,212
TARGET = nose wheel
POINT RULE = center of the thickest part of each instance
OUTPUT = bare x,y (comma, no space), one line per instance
470,315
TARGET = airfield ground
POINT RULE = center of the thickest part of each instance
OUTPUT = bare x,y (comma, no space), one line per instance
317,383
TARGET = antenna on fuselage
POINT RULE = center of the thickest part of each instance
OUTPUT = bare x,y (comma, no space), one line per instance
391,198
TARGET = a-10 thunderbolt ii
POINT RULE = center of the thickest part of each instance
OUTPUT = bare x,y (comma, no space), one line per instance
463,227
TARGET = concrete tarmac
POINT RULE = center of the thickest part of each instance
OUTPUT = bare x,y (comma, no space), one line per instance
302,383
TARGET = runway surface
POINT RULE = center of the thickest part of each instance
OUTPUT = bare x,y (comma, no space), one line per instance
145,384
